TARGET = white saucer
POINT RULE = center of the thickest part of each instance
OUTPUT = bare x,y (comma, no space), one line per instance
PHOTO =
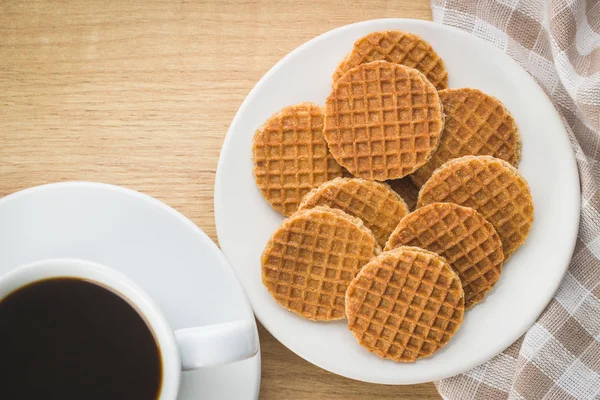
161,250
245,221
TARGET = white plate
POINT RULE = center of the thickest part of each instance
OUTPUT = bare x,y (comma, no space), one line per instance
245,221
162,251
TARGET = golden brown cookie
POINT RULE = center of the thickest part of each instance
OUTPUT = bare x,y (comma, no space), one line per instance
475,124
382,120
463,237
310,260
397,47
375,203
405,304
291,157
491,186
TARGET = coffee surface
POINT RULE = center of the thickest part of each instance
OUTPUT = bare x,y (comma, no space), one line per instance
66,338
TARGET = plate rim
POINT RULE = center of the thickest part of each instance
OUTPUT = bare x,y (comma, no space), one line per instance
572,236
207,241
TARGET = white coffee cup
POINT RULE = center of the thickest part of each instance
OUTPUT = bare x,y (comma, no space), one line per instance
183,349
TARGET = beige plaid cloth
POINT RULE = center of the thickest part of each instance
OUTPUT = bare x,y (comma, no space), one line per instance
558,43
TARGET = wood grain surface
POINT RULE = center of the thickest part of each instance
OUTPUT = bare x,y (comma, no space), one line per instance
140,94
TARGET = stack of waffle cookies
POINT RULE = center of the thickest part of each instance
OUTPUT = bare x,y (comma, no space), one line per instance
402,196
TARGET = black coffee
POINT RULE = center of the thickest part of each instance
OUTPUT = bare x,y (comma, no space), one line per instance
67,338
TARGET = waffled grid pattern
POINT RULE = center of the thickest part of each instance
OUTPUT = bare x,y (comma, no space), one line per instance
397,47
460,235
291,156
374,203
475,124
309,262
492,187
405,304
382,121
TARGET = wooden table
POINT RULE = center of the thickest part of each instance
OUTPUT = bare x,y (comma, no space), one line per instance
140,94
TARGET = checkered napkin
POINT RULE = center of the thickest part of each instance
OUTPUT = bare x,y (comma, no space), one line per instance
558,42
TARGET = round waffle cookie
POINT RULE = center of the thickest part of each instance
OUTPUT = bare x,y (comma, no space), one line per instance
475,124
405,304
310,260
463,237
382,120
375,203
397,47
291,157
491,186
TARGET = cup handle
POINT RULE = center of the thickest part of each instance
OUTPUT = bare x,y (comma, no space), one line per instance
211,345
